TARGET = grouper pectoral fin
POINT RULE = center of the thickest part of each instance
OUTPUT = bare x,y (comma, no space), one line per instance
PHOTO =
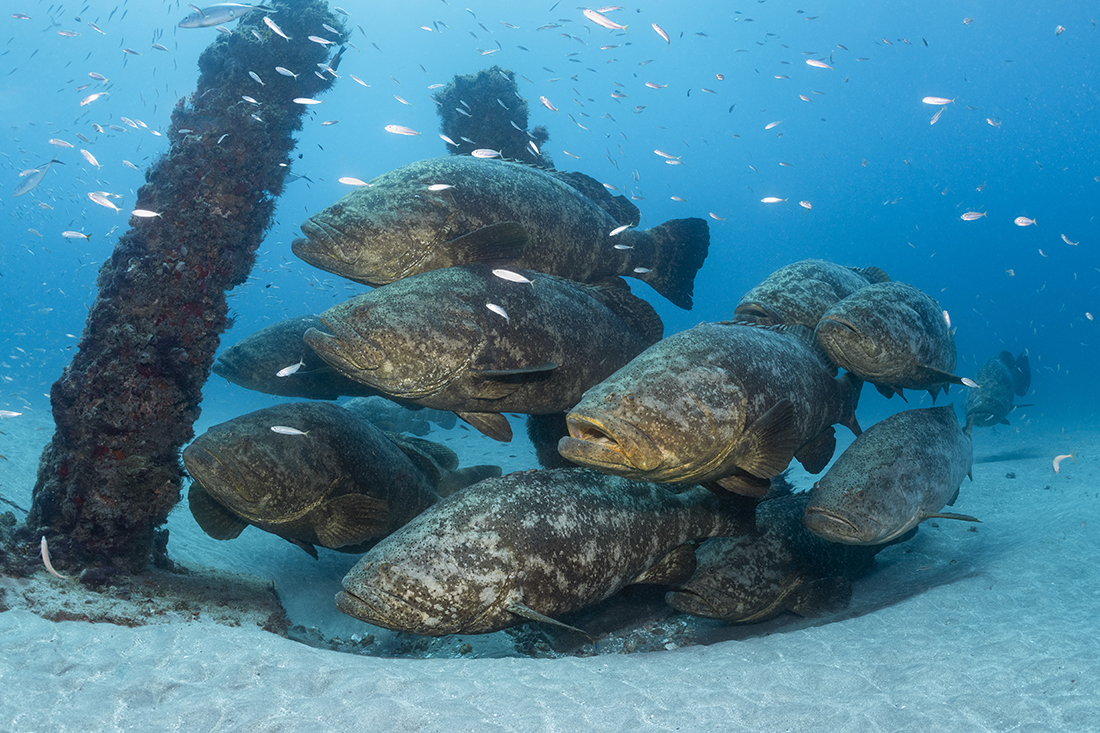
496,384
492,424
495,244
304,547
672,569
951,515
743,484
531,615
350,519
768,445
212,517
816,454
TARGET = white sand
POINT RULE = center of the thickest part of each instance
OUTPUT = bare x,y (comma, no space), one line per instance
990,630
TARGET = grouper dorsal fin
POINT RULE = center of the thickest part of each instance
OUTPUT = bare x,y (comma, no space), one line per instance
495,244
872,274
635,312
767,446
531,615
350,519
618,207
492,424
213,518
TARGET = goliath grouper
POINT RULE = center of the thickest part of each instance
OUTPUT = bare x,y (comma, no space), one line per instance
800,292
256,361
780,567
893,477
332,479
728,402
481,342
893,336
989,403
459,210
531,546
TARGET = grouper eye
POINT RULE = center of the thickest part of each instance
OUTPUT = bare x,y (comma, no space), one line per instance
361,309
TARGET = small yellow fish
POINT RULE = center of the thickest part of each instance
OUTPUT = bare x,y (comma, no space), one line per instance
498,310
1023,221
274,28
284,430
288,370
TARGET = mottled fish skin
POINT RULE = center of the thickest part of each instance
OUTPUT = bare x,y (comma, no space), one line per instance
253,362
893,336
548,541
894,476
693,407
395,227
801,292
432,340
998,379
780,567
343,486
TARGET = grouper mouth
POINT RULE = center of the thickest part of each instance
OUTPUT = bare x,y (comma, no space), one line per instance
840,323
608,442
834,527
380,606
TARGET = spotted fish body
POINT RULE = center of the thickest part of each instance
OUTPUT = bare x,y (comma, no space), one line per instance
494,212
998,379
530,546
780,567
343,485
254,361
893,336
727,402
432,339
900,472
801,292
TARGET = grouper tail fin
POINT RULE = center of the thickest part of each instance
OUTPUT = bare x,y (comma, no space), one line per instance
680,248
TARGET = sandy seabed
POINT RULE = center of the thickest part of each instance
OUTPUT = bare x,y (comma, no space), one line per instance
989,627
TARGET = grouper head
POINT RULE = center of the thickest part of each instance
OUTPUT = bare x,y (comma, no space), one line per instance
853,515
262,476
380,232
434,584
657,421
852,341
384,339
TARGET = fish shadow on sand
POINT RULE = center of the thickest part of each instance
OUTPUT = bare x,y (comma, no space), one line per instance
930,560
639,618
1015,454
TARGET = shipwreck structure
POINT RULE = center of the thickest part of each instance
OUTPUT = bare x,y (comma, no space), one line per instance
125,405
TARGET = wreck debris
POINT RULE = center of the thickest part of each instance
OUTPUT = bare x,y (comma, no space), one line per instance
125,405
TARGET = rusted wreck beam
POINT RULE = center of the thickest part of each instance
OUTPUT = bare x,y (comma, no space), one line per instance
125,405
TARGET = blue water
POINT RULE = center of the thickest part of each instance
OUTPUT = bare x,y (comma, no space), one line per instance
886,187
